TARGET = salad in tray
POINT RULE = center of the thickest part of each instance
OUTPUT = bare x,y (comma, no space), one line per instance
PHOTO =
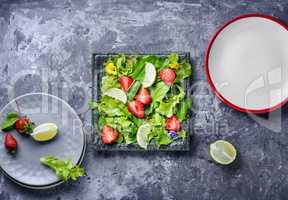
143,100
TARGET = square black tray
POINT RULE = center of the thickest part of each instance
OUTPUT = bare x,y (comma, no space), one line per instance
98,60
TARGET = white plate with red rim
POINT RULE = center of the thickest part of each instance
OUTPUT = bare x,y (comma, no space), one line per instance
247,63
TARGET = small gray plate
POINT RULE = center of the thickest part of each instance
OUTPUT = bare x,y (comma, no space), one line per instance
25,167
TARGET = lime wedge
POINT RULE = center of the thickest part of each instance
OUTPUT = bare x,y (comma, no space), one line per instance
117,94
142,135
150,75
223,152
45,132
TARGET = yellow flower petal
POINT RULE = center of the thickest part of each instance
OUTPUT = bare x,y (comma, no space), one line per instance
110,68
174,66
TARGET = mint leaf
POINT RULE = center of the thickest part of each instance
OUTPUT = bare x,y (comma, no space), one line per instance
9,121
64,169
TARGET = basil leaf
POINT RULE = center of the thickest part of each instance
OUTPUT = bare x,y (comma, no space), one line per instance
10,120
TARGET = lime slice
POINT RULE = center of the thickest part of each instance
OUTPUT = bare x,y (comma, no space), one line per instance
117,94
45,132
142,135
223,152
150,75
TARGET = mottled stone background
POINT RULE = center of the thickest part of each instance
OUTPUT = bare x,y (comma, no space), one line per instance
47,46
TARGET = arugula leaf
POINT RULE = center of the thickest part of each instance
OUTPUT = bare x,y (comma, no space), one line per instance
64,169
183,109
109,82
9,121
159,91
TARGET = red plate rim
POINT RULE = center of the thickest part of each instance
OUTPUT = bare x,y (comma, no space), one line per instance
211,42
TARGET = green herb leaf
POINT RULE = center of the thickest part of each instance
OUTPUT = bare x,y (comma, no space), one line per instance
173,58
109,82
92,104
183,109
112,107
182,134
9,121
184,71
64,169
133,90
159,91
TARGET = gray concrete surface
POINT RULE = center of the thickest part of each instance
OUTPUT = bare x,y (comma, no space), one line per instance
47,45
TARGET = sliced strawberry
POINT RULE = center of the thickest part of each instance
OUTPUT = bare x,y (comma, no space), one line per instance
125,82
143,96
136,108
172,124
167,75
10,142
109,135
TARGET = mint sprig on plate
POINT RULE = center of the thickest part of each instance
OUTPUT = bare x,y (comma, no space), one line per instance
9,121
64,169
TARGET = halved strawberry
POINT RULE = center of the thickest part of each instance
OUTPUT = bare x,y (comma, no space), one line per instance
167,75
109,135
172,124
125,82
143,96
136,108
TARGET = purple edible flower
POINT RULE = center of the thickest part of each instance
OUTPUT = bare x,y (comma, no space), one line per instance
173,134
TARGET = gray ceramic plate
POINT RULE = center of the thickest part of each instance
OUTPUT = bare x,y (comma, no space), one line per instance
24,167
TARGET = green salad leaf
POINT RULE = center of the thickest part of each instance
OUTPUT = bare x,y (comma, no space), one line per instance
9,121
64,169
167,107
109,82
173,58
112,107
184,71
183,109
159,91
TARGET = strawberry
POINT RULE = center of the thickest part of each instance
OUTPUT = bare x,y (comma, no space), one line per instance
109,135
143,96
172,124
125,82
167,75
136,108
23,125
10,142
